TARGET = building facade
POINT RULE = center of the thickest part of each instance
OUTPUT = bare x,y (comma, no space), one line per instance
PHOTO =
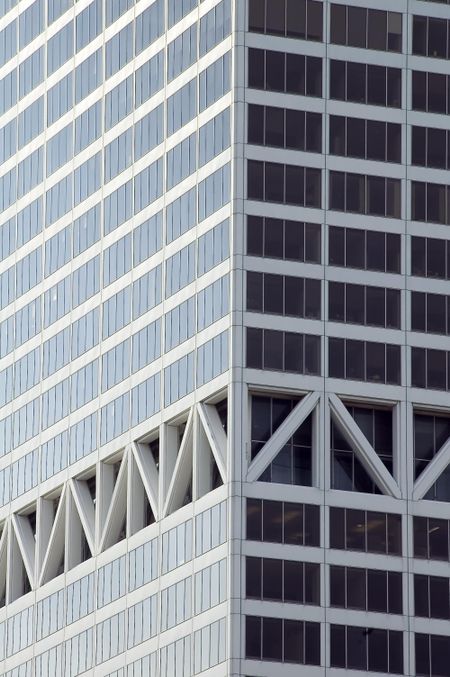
224,352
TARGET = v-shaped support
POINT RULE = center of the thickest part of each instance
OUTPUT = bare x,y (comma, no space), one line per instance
56,543
118,508
149,474
182,473
364,450
282,434
212,425
86,510
26,543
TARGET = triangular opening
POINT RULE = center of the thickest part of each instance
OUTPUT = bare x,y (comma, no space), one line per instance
3,564
431,432
440,490
78,545
19,582
54,558
347,471
293,464
115,529
377,426
180,489
222,410
208,475
140,511
268,413
154,449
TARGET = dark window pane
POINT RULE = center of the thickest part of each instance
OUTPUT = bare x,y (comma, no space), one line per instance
356,139
273,293
273,242
422,654
337,586
336,301
355,194
254,348
375,362
419,143
256,16
274,182
295,74
438,538
273,349
419,90
313,132
437,38
315,20
436,259
312,583
272,643
355,530
313,76
392,253
337,191
256,68
254,515
356,588
312,298
420,537
337,528
272,579
376,85
255,180
255,291
255,124
274,133
354,359
439,597
437,91
356,26
355,248
394,87
295,178
296,19
336,358
377,29
272,521
395,651
253,637
394,142
293,287
436,369
295,129
436,203
376,140
293,582
293,523
436,313
356,648
337,648
377,591
375,310
356,82
336,246
337,79
437,148
293,641
338,24
253,576
255,230
293,352
312,643
337,135
275,17
294,240
421,596
376,246
419,35
376,532
395,592
312,525
355,303
440,651
313,187
378,650
376,203
275,71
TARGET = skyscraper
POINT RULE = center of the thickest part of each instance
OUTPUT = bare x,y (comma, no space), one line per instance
224,352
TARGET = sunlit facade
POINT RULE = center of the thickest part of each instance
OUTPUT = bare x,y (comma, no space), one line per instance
224,352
